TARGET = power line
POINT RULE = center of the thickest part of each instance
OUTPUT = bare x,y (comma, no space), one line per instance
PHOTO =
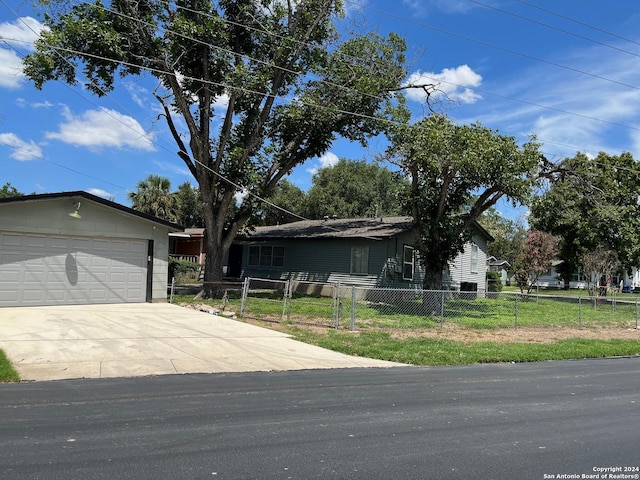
584,24
263,93
349,88
567,32
490,45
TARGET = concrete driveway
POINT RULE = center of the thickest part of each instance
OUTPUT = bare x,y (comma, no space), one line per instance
128,340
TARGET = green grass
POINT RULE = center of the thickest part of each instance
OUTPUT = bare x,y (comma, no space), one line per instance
430,351
7,372
375,320
501,311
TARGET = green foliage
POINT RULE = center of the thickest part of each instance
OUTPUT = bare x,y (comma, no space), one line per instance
447,165
494,281
188,206
288,197
182,268
289,86
9,190
593,203
355,189
7,372
154,197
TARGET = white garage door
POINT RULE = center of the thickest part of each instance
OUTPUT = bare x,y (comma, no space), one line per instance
47,270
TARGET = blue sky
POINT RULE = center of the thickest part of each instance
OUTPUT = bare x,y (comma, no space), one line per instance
568,72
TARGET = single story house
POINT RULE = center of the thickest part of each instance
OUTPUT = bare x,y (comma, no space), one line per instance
369,252
74,248
188,245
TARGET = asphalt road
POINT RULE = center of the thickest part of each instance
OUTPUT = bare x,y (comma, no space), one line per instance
515,421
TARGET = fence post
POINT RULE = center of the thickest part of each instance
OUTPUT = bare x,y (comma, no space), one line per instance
245,290
580,311
284,299
636,314
173,284
441,309
515,325
290,301
353,309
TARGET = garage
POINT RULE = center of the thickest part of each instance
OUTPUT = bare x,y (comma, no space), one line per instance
74,248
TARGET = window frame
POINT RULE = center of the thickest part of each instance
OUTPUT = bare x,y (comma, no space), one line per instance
357,264
473,260
266,256
408,264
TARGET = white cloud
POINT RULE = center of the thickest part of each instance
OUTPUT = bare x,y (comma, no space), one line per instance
100,193
19,35
456,83
102,128
10,69
221,102
328,160
570,111
22,151
137,94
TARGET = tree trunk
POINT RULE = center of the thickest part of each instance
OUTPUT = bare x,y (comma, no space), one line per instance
213,268
432,286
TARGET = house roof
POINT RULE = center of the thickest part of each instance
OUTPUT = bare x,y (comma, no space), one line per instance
370,228
194,233
78,195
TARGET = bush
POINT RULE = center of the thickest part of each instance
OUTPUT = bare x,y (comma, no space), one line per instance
182,269
494,282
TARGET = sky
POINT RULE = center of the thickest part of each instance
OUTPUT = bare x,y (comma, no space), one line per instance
567,72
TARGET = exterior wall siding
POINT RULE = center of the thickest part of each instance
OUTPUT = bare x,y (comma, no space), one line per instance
329,261
51,217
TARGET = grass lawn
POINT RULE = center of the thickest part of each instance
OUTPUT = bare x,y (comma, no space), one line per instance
442,351
7,372
385,335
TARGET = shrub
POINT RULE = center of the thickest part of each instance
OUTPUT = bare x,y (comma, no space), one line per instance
182,269
494,281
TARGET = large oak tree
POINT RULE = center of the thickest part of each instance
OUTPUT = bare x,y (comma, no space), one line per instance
276,73
456,173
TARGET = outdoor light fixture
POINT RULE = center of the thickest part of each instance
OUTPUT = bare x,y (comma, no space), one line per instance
76,212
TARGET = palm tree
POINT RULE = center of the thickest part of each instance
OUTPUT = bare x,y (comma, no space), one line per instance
153,196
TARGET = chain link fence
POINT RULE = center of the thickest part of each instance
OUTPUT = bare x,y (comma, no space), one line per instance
358,308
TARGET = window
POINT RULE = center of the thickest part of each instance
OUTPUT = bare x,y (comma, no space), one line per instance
474,258
266,256
408,263
360,260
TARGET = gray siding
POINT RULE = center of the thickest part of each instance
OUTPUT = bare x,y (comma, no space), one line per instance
51,217
329,261
460,269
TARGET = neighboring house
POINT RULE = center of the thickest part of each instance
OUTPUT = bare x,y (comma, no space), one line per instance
551,278
76,248
372,252
188,245
499,266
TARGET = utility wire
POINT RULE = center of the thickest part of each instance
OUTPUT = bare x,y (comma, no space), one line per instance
584,24
490,45
266,94
567,32
356,58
